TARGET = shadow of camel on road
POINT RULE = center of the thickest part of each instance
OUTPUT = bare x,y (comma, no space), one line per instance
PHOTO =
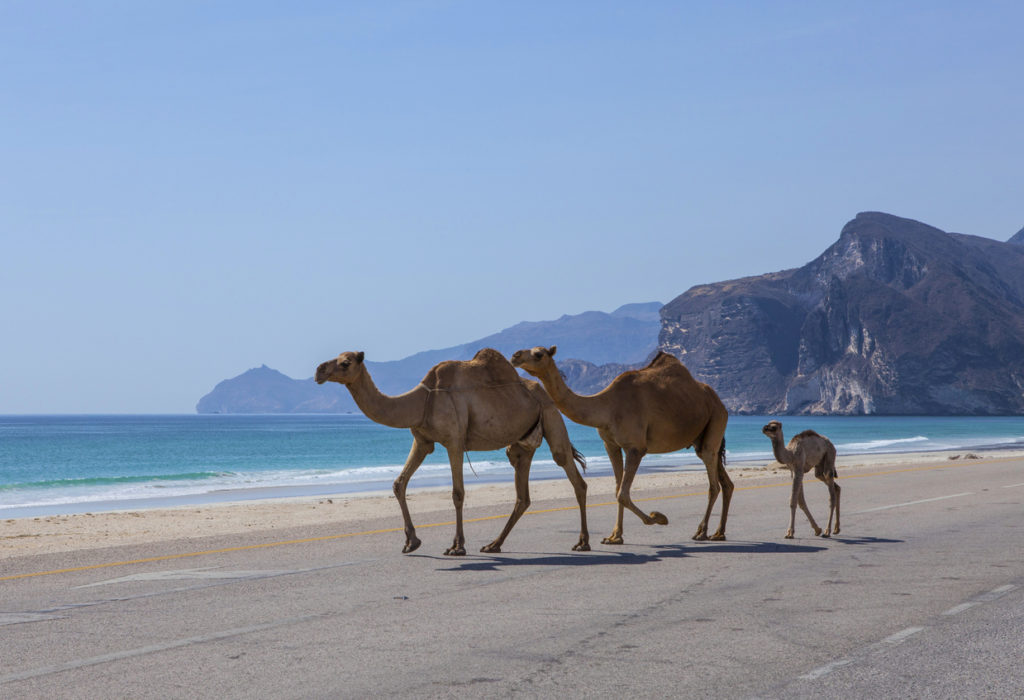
491,562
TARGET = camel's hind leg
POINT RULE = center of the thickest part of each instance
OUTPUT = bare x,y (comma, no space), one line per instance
711,451
455,457
420,449
564,455
826,472
520,457
718,480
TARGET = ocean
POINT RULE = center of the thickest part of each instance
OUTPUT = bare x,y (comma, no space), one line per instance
84,463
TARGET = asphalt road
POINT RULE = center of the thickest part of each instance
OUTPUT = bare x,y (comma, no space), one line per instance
921,595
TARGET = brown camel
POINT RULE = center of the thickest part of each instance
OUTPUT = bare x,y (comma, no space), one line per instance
481,404
807,451
660,408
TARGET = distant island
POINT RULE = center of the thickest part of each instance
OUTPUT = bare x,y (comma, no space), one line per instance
627,335
896,318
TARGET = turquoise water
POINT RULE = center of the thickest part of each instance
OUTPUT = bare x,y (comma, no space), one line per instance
69,464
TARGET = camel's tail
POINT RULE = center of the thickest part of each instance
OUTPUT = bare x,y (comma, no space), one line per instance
721,454
578,457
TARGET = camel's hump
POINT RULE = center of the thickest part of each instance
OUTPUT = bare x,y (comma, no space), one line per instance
487,368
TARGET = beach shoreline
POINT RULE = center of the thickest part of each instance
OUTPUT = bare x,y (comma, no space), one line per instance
48,534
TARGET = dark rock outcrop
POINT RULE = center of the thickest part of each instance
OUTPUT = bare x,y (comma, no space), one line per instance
896,317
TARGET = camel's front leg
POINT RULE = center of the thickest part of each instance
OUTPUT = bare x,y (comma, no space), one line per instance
420,449
615,456
520,457
633,457
797,498
455,457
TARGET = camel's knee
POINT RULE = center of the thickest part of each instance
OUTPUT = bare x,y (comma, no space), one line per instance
458,496
399,487
561,457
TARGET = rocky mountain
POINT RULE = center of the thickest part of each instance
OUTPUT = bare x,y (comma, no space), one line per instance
627,335
1018,237
896,317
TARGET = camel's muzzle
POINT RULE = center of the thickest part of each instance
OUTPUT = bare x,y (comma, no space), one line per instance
321,373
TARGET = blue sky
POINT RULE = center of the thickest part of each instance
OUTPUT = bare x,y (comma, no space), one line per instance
191,189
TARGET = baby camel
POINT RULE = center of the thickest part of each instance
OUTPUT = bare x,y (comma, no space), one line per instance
807,451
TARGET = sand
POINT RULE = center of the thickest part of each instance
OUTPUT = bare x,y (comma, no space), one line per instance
64,533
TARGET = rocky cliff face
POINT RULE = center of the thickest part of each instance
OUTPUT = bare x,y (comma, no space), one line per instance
896,317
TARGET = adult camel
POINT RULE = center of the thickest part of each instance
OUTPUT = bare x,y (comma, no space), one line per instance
660,408
480,404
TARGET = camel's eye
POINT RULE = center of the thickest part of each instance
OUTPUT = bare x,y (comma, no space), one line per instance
345,364
537,354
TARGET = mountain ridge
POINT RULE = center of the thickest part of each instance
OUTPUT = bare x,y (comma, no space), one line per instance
628,334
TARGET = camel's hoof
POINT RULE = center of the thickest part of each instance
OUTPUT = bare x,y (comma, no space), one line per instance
789,536
411,546
718,537
826,534
581,547
658,518
836,531
817,532
491,548
455,552
700,536
612,540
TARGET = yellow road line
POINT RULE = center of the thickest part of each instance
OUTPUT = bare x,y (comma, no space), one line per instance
324,538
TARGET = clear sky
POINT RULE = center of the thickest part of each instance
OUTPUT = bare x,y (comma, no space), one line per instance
191,189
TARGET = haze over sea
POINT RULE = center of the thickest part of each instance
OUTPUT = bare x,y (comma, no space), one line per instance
73,464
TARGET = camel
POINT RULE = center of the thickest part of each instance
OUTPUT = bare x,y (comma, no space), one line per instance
480,404
807,451
660,408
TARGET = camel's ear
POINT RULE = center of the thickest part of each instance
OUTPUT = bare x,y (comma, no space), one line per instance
552,349
359,357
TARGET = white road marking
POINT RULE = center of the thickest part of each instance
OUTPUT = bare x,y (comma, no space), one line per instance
995,593
824,670
1013,486
914,503
190,574
152,649
957,609
901,636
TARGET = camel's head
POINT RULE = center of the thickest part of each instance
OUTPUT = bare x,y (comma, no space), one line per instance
773,429
534,360
344,369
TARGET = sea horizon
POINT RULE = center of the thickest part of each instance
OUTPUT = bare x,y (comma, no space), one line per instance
52,464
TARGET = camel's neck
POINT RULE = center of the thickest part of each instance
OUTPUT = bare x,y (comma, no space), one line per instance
585,410
782,454
403,411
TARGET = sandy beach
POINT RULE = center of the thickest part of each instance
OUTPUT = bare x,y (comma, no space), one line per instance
60,533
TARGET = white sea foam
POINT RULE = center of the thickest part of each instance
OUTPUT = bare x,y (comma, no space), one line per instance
878,445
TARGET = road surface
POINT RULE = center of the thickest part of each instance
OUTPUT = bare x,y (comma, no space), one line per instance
921,595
